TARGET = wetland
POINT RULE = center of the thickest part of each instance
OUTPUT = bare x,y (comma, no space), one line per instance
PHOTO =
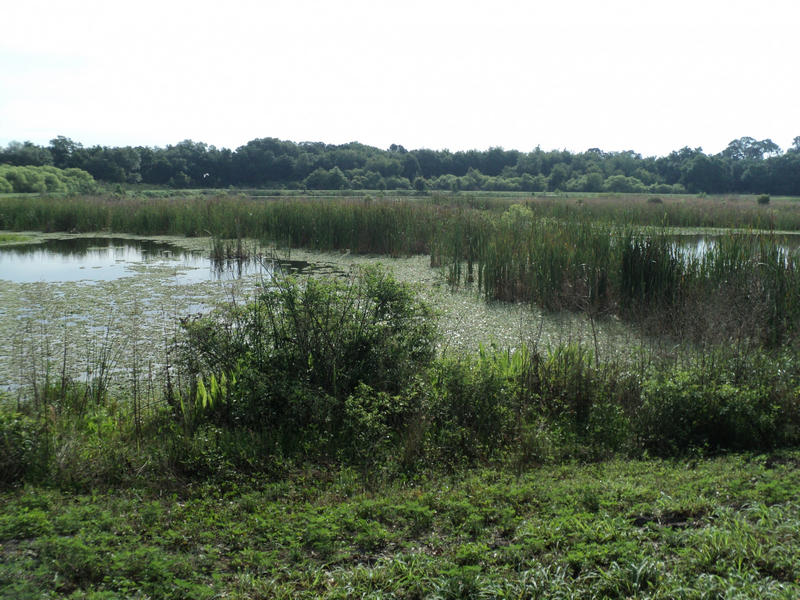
401,398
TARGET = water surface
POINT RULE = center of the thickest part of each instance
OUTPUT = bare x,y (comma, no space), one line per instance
96,259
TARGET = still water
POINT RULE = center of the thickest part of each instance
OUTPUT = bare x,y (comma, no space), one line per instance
96,259
119,298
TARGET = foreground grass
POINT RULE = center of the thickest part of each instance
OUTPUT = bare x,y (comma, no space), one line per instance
708,528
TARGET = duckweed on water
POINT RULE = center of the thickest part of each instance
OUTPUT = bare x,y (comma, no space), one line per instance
61,327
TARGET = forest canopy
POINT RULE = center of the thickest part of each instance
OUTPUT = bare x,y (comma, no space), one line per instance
747,165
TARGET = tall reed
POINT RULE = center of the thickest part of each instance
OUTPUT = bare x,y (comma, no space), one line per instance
744,286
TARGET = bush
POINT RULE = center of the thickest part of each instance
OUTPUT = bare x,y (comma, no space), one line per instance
763,199
19,446
694,409
288,362
45,179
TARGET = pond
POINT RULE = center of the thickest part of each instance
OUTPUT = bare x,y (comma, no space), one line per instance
93,259
69,302
697,244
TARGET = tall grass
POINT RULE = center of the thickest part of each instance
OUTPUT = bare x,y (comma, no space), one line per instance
744,287
584,254
360,225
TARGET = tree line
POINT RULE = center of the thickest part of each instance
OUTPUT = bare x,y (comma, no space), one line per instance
747,165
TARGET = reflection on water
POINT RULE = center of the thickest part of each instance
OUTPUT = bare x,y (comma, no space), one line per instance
697,245
106,259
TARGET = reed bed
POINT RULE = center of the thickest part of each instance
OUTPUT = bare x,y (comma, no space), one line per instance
581,254
361,225
744,286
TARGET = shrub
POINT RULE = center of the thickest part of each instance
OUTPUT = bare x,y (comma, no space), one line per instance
19,446
695,409
763,199
288,362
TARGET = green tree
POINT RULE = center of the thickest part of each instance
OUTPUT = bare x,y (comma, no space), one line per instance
26,154
706,174
66,153
558,177
622,184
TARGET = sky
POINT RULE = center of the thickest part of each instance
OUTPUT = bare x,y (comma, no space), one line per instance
569,74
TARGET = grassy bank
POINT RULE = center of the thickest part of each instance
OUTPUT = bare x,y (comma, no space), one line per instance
718,528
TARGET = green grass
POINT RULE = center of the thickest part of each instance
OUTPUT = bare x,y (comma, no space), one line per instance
647,529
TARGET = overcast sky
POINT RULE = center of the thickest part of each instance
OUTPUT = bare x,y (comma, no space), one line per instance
575,74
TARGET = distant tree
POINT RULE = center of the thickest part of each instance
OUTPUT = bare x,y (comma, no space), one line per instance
411,168
386,165
785,174
756,177
26,154
397,183
494,160
706,174
117,165
558,177
431,163
529,163
530,183
622,163
66,153
623,184
317,179
473,180
323,179
337,179
374,181
590,182
747,148
671,168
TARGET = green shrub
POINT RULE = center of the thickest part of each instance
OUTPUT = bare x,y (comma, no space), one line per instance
763,199
27,179
20,446
292,362
697,409
472,413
